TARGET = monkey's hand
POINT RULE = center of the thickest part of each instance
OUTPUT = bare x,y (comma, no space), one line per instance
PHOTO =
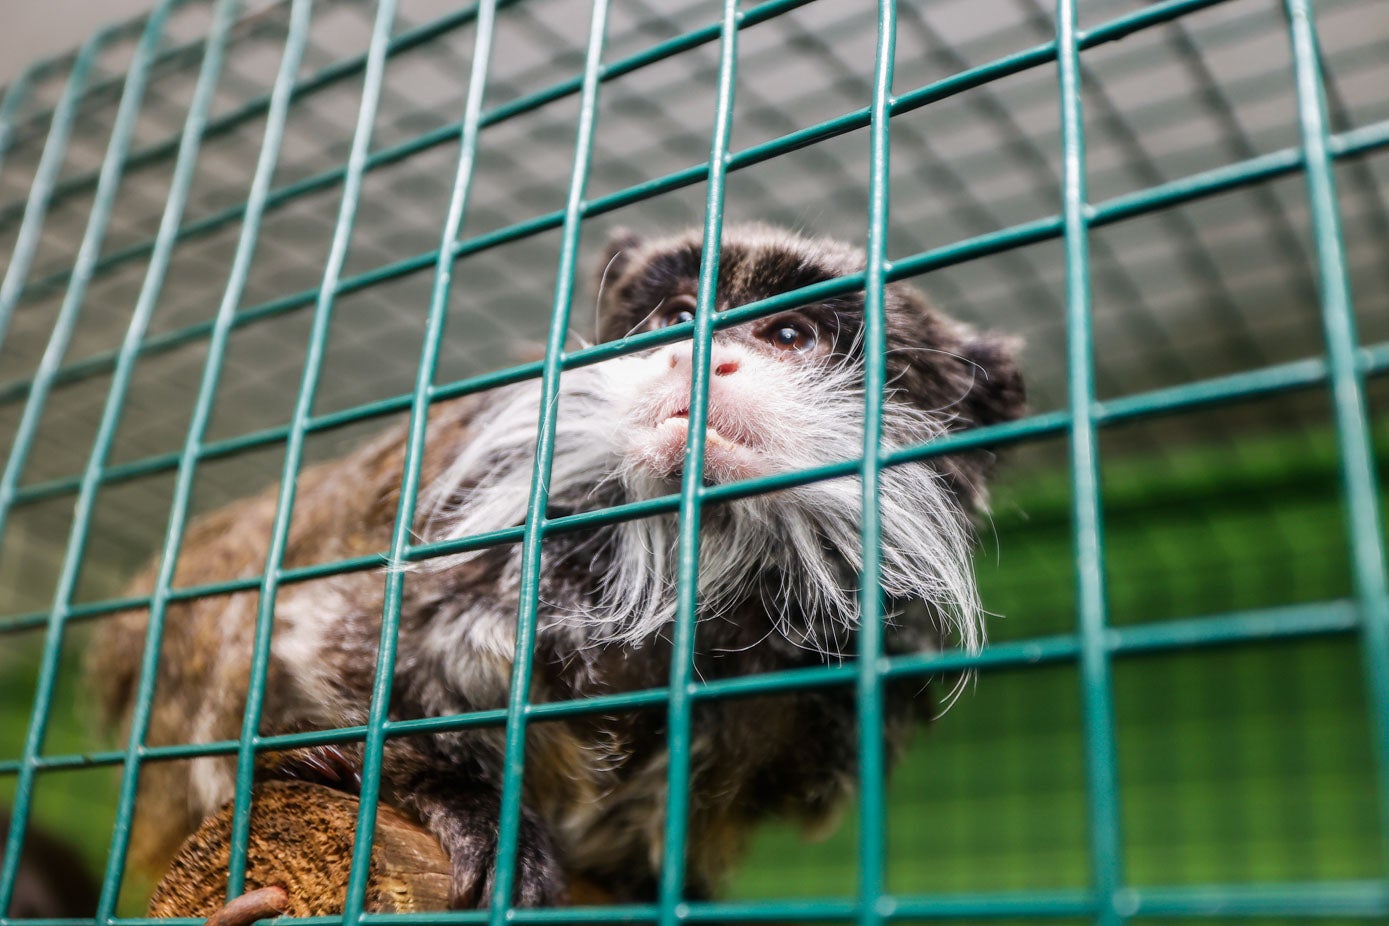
467,824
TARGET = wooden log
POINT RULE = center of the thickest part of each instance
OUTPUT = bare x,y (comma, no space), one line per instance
301,840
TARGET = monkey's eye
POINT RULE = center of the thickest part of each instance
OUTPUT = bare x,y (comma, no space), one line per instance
676,311
792,334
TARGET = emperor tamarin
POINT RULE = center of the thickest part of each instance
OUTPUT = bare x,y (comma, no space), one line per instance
777,585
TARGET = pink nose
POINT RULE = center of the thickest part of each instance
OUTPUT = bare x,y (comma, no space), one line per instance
723,361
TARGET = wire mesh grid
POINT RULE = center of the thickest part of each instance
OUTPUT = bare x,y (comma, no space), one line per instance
1176,233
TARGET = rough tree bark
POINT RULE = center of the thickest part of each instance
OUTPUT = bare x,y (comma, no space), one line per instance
301,840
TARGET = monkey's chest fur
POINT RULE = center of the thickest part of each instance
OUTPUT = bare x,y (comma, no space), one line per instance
598,781
594,788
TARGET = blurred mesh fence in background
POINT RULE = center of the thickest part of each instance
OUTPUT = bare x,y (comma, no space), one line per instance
1249,763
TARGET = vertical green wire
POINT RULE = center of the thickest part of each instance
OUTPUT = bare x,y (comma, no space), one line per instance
414,455
112,165
185,168
1363,516
16,95
869,680
197,427
55,148
108,184
1087,522
680,706
294,446
532,543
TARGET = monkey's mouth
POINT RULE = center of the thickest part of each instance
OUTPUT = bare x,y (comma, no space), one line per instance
661,449
713,439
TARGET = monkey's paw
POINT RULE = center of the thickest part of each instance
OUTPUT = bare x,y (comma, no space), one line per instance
537,880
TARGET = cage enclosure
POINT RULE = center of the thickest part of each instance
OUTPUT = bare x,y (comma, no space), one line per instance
222,223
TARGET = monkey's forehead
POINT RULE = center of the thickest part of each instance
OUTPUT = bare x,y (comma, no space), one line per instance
754,261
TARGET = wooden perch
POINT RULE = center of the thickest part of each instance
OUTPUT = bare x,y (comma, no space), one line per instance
301,840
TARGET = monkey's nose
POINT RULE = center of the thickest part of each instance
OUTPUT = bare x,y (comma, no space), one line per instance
722,361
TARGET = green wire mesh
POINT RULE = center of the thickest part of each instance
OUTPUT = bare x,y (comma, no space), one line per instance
1181,205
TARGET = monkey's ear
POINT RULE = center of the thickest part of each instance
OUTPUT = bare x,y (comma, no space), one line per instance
998,393
616,256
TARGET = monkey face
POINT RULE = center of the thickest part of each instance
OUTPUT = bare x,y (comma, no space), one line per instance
773,388
785,392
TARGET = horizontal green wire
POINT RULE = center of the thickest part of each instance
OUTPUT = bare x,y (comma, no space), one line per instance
337,71
1186,189
1292,622
562,89
1301,374
1208,183
112,32
849,122
426,140
1325,899
49,168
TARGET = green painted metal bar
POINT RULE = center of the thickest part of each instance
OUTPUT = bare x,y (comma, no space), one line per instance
938,90
392,155
1118,209
115,31
180,184
1332,899
1272,380
1367,900
427,140
180,503
872,761
35,209
1115,29
536,526
1339,900
324,78
1096,695
16,95
112,167
328,291
375,739
64,325
1323,619
1353,143
1094,643
1364,522
291,191
680,706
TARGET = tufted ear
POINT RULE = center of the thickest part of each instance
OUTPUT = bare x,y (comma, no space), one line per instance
616,257
998,393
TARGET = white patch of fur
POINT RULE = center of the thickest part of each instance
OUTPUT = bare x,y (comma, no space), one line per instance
795,415
490,637
212,778
304,625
